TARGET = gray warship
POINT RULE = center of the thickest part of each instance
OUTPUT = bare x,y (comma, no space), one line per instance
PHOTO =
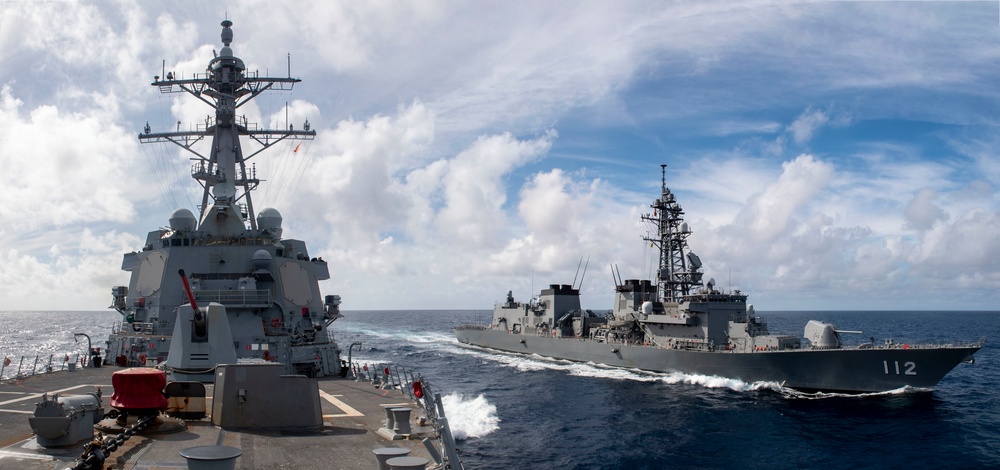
224,350
679,323
269,285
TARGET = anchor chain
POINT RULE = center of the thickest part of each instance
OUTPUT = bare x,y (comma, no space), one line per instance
98,450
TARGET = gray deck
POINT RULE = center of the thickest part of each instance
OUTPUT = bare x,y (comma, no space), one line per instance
351,415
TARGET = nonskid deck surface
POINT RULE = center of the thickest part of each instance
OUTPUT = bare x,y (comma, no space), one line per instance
351,414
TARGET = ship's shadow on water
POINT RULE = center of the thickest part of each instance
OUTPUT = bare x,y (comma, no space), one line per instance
529,412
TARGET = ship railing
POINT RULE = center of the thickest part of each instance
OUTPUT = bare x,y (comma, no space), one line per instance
418,390
470,327
234,298
28,366
892,344
122,327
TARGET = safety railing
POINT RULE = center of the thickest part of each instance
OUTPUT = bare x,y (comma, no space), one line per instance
238,297
412,385
28,366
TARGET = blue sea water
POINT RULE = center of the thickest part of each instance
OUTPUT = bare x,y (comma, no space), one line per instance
524,412
531,412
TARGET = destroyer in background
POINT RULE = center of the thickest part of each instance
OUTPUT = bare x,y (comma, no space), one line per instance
237,263
680,324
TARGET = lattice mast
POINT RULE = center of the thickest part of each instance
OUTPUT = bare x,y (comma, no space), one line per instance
225,86
679,269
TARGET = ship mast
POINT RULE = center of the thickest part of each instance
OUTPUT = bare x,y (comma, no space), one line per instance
679,270
225,86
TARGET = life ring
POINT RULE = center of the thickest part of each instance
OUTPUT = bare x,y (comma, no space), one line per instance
276,323
142,359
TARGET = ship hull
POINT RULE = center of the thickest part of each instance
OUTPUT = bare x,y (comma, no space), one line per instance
847,370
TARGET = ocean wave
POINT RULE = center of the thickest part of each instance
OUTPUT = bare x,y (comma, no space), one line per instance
796,394
470,418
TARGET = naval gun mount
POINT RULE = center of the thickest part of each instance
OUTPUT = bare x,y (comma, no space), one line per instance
201,341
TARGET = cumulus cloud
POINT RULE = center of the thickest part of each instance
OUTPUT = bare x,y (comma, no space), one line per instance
770,213
353,176
473,187
437,161
62,168
922,212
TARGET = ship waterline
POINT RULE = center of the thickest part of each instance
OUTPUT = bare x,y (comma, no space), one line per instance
843,370
680,323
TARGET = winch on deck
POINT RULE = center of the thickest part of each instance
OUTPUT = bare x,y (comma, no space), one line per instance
62,421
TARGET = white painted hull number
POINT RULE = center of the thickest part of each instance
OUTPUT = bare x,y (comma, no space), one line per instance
909,368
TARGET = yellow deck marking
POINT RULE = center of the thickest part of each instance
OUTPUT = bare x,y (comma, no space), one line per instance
348,411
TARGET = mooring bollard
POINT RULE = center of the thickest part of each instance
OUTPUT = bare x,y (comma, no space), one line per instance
382,454
401,416
389,420
211,457
407,463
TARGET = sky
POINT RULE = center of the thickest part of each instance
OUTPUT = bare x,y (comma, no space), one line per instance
828,155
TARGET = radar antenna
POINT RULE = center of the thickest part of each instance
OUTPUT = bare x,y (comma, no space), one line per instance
675,277
225,86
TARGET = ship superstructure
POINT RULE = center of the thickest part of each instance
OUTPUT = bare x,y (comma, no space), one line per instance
679,323
268,285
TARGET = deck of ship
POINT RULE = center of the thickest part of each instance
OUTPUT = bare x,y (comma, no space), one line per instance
351,416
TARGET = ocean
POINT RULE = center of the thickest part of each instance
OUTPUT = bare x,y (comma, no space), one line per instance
524,412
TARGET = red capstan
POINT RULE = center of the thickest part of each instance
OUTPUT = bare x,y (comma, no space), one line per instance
139,389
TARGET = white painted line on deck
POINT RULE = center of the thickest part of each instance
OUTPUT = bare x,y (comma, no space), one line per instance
25,455
37,395
348,411
17,411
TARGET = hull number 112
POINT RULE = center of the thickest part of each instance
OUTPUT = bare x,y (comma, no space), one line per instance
909,368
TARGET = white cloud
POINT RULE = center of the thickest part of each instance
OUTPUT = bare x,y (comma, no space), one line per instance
922,213
807,124
770,213
437,164
62,168
473,187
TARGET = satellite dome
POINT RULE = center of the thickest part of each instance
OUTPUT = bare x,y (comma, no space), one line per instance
182,220
261,259
269,219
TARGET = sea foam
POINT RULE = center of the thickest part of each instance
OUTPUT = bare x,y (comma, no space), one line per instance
470,418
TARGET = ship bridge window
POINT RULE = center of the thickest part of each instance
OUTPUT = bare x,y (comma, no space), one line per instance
187,242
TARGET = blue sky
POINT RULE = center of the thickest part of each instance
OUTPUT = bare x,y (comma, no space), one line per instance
829,155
